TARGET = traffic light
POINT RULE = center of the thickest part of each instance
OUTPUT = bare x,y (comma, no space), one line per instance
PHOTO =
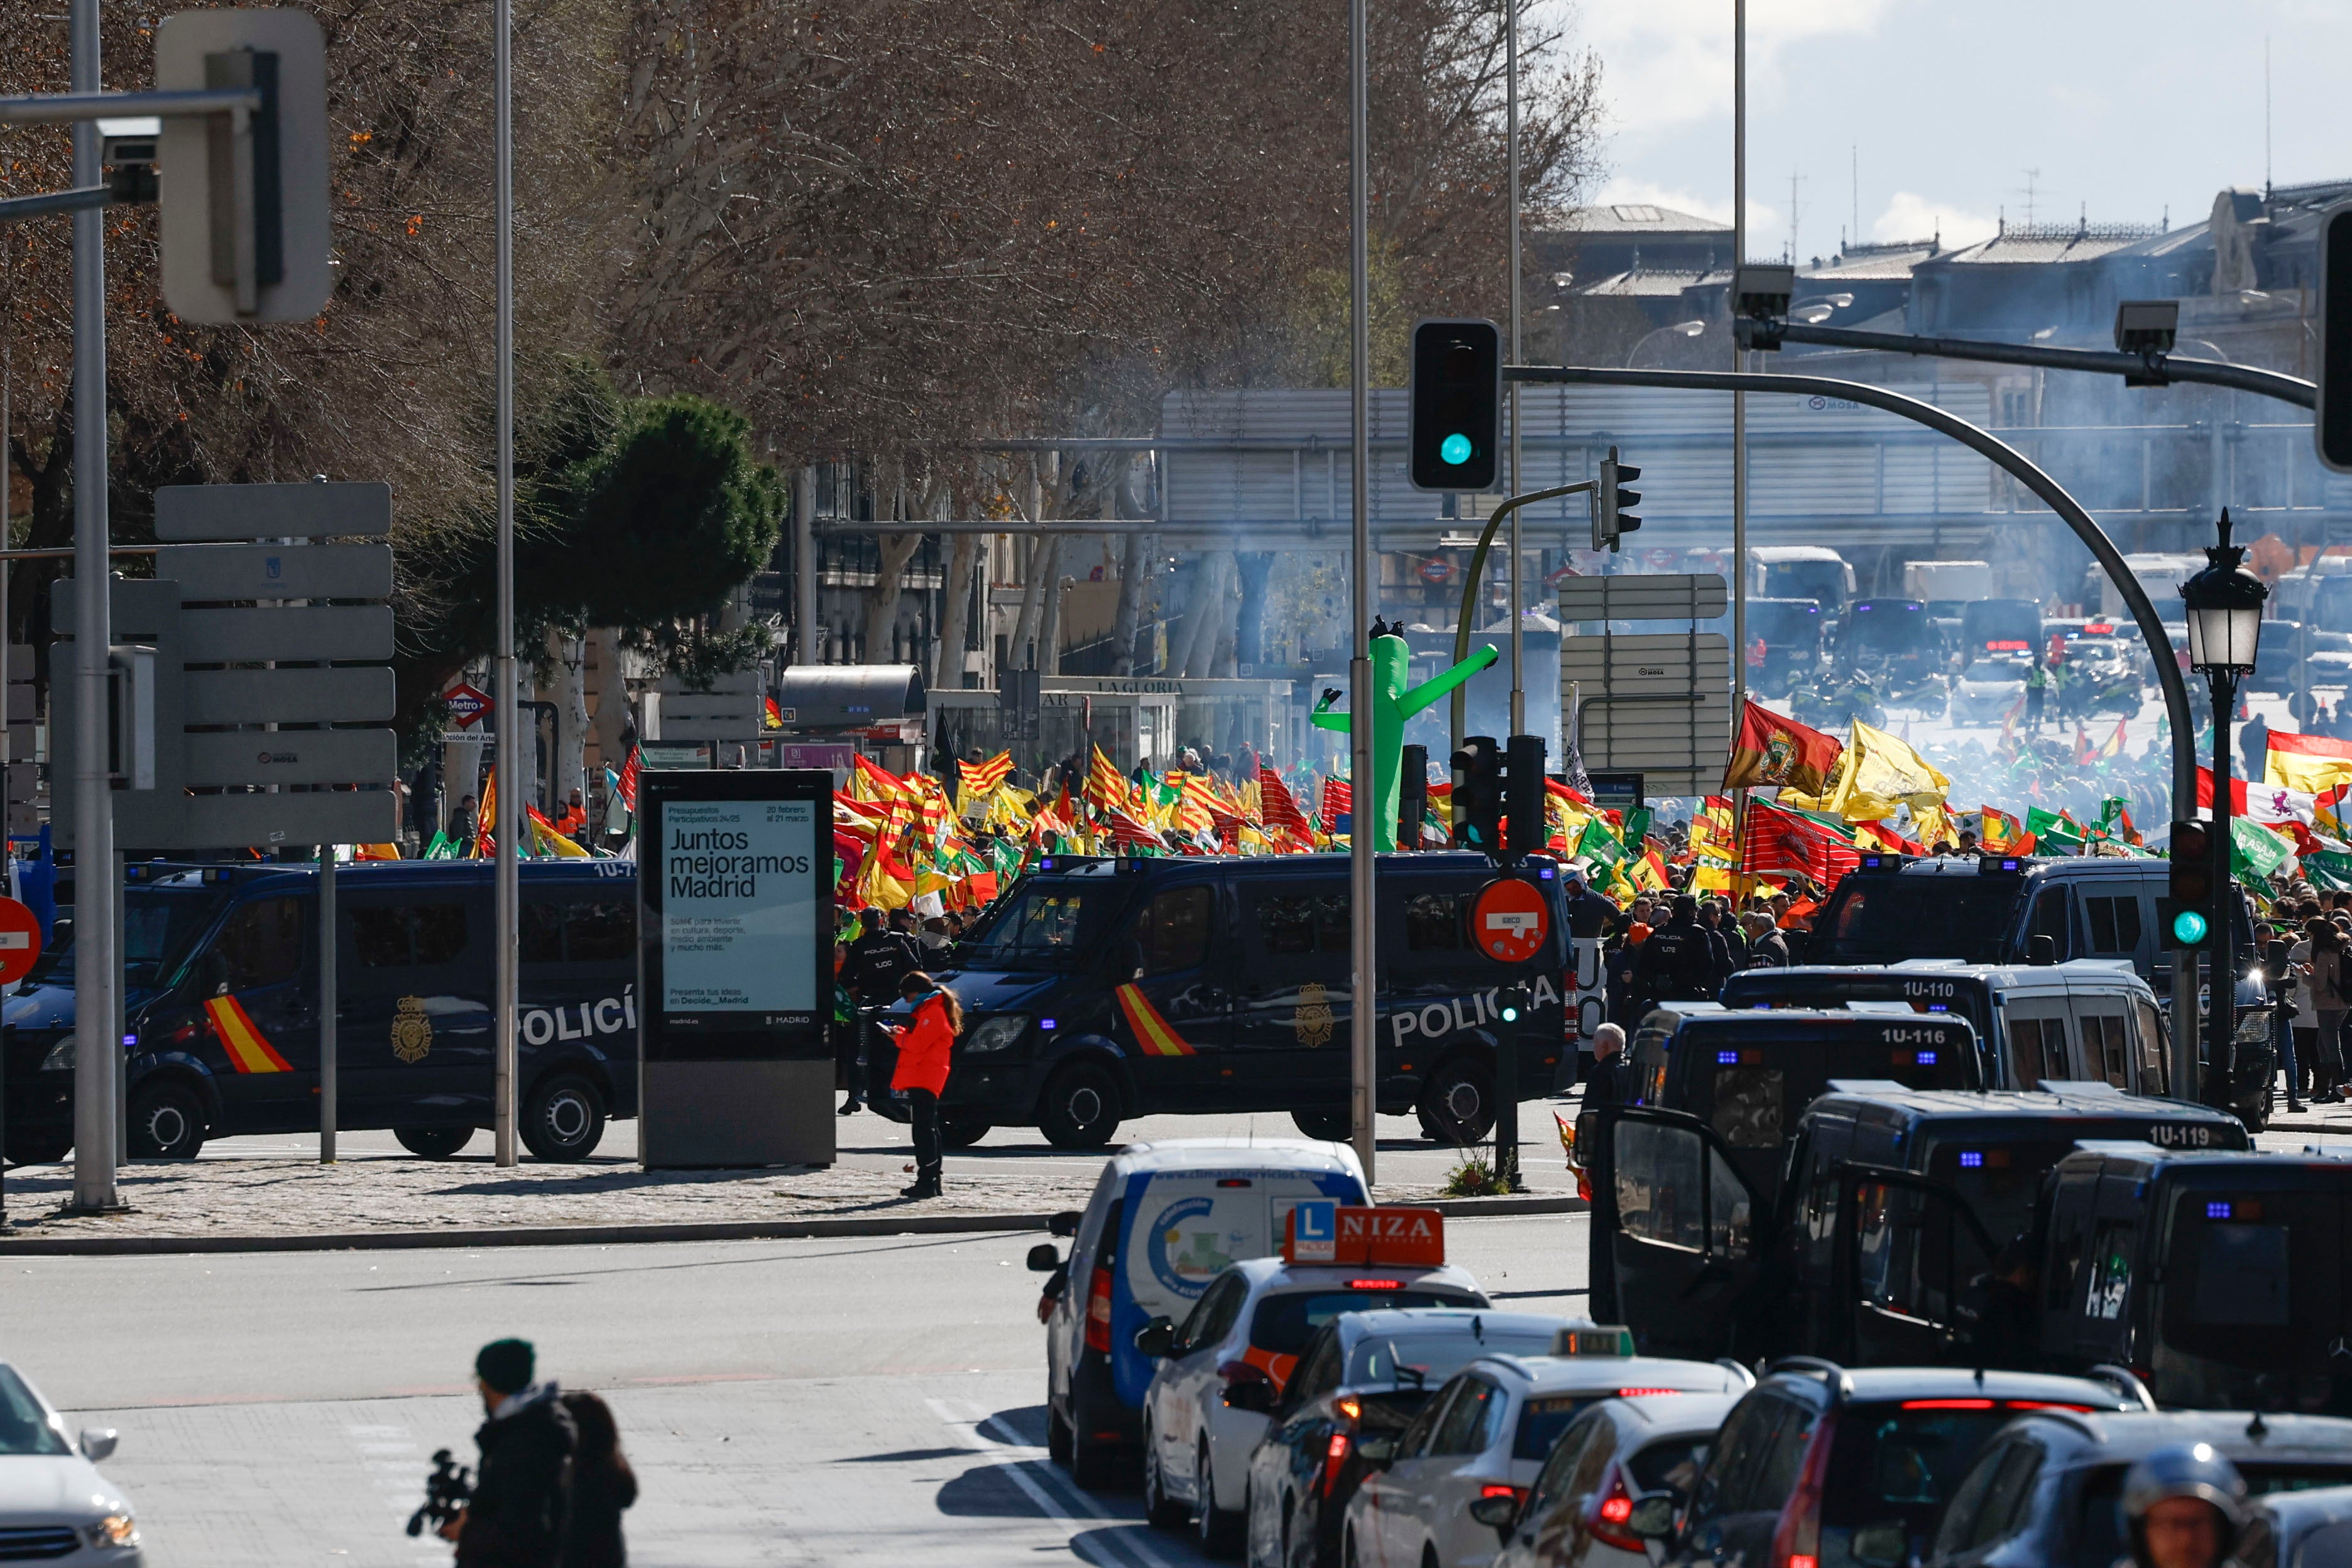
1412,796
1457,405
2186,918
1511,1003
2331,422
1614,518
1478,794
1523,797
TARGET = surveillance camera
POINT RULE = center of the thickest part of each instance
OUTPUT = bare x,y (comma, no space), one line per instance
2147,326
1763,290
127,148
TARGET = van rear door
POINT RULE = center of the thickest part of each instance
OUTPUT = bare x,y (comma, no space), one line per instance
1677,1234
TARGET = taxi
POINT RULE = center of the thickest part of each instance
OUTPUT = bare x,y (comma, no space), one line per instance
1220,1371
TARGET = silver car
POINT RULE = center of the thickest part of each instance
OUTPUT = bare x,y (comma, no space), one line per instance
54,1505
1618,1456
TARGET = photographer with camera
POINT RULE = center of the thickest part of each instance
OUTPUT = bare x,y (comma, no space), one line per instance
523,1484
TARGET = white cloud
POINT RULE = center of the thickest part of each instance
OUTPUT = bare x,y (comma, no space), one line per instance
1913,216
1668,63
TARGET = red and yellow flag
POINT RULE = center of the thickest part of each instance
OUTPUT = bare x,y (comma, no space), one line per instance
248,1049
1152,1032
1772,750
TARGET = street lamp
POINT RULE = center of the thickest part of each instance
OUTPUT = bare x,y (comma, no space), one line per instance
2225,624
1687,329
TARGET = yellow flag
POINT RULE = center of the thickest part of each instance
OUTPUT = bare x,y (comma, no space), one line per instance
1881,773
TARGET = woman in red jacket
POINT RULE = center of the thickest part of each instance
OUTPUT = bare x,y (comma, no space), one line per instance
924,1042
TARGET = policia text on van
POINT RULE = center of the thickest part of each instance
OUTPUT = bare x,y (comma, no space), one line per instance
1099,991
223,1003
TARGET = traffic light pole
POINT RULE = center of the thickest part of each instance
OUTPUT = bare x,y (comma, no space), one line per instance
2221,1009
1477,576
1363,1019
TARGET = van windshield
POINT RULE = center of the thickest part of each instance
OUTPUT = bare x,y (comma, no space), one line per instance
1046,926
1890,626
1821,581
1752,1090
1885,919
2251,1302
158,924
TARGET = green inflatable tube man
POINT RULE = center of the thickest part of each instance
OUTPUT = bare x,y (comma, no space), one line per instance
1392,704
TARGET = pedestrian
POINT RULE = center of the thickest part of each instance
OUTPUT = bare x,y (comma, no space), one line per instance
603,1486
879,959
1587,913
461,824
2280,970
2037,688
521,1483
573,823
2322,972
1767,948
925,1040
1606,1086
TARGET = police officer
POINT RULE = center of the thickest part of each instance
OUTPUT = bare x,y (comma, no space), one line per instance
2182,1507
1680,962
878,961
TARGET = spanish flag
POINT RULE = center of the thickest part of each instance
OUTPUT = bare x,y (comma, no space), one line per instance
248,1050
2316,765
1153,1033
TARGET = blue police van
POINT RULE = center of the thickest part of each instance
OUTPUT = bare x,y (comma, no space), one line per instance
221,1006
1098,990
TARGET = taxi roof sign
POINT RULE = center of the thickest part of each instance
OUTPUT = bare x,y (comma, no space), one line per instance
1320,1231
1610,1339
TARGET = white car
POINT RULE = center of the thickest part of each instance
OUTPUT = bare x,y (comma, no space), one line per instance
54,1505
1223,1367
1487,1435
1620,1454
1987,691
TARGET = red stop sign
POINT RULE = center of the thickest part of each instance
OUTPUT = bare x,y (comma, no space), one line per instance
20,941
1509,920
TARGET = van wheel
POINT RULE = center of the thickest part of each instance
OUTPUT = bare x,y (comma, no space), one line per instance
1080,1107
963,1132
1093,1465
1460,1101
1331,1126
565,1119
433,1143
167,1123
1058,1436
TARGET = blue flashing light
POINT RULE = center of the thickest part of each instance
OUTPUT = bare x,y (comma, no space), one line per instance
1864,609
1939,1006
1544,874
1049,1025
1971,1160
1726,1059
1455,449
2217,1211
1926,1058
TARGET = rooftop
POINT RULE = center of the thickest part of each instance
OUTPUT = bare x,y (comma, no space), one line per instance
1630,218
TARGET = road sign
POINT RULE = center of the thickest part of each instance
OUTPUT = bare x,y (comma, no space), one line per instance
20,941
1436,570
1658,704
185,513
2331,425
207,573
1509,921
730,710
1672,596
467,705
1313,1232
242,198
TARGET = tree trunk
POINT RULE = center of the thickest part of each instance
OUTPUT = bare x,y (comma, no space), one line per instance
963,561
572,738
1049,620
1249,627
1205,614
1130,604
882,598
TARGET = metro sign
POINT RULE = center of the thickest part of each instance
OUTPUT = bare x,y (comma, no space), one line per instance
467,705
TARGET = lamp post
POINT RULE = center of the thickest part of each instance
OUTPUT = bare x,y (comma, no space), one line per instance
2225,622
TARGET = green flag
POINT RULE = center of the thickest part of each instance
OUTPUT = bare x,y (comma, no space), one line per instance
2053,828
440,849
2256,853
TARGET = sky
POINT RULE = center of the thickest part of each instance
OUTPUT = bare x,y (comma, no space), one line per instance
1901,118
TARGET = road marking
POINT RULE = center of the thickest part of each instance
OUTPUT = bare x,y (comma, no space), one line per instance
989,1433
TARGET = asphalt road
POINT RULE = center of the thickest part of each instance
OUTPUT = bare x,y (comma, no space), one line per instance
805,1402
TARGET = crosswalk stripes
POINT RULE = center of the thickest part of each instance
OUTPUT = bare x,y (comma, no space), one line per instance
1096,1531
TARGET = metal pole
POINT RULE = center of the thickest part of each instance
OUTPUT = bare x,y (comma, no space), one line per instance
805,557
96,966
1362,993
2221,1004
505,904
116,911
1518,613
327,993
1738,398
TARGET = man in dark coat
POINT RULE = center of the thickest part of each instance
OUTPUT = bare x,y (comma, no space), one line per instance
878,960
1606,1086
1680,962
522,1487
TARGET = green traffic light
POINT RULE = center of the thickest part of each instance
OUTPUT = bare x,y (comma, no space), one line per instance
2189,926
1455,449
1510,1015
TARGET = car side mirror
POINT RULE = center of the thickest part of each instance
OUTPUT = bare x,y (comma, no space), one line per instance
1496,1513
97,1444
1044,1259
1653,1518
1377,1452
1157,1339
1065,1224
1250,1394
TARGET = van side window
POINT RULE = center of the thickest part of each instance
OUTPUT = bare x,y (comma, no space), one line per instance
2154,1068
2026,1062
398,935
2111,1259
1432,923
260,946
2105,1044
1174,929
1298,923
2114,924
559,931
2049,919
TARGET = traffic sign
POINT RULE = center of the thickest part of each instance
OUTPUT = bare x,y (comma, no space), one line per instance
20,941
467,705
1509,920
1436,570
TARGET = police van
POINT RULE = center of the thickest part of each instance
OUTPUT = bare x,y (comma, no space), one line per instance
1098,990
1748,1076
222,1006
2090,1018
1894,1201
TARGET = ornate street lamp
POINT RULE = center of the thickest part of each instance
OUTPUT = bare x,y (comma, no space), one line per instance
2225,624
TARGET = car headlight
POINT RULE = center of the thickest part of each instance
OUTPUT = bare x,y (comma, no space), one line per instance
997,1034
61,1057
114,1530
2254,1025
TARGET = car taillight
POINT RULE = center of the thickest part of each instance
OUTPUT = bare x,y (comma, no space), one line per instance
1335,1456
1497,1489
1098,1312
1797,1543
1612,1506
1637,1393
1376,1284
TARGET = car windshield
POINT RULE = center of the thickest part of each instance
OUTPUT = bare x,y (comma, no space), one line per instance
1284,1323
1896,1465
1424,1359
158,924
1883,919
24,1426
1048,926
1992,670
1546,1416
